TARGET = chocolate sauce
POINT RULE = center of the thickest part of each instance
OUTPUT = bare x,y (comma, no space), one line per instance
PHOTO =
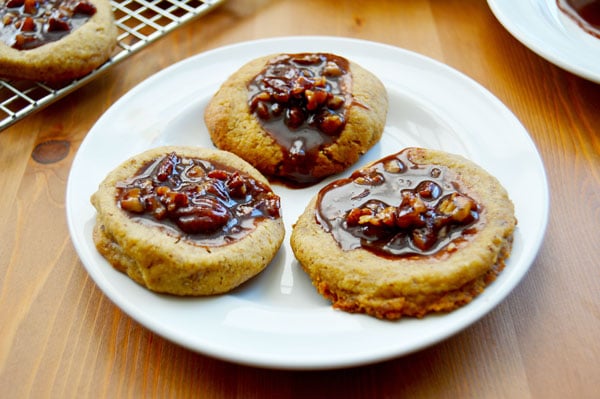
301,101
396,208
205,202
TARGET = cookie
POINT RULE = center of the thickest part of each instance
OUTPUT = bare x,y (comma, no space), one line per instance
55,40
298,117
416,232
187,221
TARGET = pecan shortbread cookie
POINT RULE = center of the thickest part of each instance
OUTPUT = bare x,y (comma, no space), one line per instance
54,40
416,232
298,117
187,221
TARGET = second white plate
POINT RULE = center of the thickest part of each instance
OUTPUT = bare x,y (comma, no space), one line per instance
278,319
547,31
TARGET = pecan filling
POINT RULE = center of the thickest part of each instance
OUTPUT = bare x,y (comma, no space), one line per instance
397,208
301,101
207,202
27,24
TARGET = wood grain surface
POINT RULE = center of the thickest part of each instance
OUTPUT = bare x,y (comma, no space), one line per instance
60,337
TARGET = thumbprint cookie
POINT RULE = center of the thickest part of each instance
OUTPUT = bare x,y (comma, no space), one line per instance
298,117
416,232
187,221
54,40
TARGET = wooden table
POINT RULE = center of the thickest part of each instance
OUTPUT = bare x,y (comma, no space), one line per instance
61,337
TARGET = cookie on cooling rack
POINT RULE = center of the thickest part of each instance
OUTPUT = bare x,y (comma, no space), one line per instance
298,117
54,40
187,221
416,232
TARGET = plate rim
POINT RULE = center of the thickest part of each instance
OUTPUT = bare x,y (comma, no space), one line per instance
270,361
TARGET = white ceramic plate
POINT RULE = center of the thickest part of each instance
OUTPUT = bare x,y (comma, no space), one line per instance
278,319
547,31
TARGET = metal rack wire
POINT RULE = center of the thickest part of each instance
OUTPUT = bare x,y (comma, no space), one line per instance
139,23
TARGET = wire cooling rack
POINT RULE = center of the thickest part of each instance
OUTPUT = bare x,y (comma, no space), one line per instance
139,23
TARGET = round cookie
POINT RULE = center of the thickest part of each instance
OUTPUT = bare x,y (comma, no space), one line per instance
416,232
187,221
298,117
82,45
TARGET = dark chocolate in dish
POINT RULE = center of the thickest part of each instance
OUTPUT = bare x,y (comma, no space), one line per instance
396,208
206,202
301,100
28,24
585,13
